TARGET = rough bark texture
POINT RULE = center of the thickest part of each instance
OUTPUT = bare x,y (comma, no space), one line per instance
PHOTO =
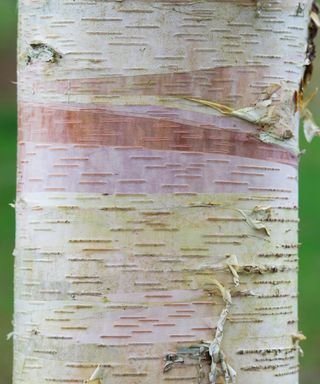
157,191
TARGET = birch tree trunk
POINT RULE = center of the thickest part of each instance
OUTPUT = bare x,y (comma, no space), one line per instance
157,191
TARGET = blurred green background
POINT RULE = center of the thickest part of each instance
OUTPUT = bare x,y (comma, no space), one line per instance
309,211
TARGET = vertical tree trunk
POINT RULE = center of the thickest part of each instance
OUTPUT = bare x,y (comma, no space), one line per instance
157,191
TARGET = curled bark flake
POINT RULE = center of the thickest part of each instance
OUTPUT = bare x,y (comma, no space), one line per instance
198,352
261,113
252,221
313,27
233,266
310,128
170,360
300,351
243,293
262,213
300,102
41,52
195,350
314,16
261,269
10,335
225,293
314,24
298,337
271,117
269,138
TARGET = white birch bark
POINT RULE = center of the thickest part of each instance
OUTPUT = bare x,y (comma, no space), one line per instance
157,191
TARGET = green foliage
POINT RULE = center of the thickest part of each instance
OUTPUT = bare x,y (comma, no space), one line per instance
8,17
7,192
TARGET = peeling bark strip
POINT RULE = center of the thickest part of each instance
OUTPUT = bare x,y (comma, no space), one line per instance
139,129
157,191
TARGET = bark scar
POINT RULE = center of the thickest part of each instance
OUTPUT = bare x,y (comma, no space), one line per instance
41,52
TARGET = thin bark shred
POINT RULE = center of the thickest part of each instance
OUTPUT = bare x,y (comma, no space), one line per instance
96,377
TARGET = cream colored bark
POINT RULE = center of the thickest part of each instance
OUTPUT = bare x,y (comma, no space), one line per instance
157,191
